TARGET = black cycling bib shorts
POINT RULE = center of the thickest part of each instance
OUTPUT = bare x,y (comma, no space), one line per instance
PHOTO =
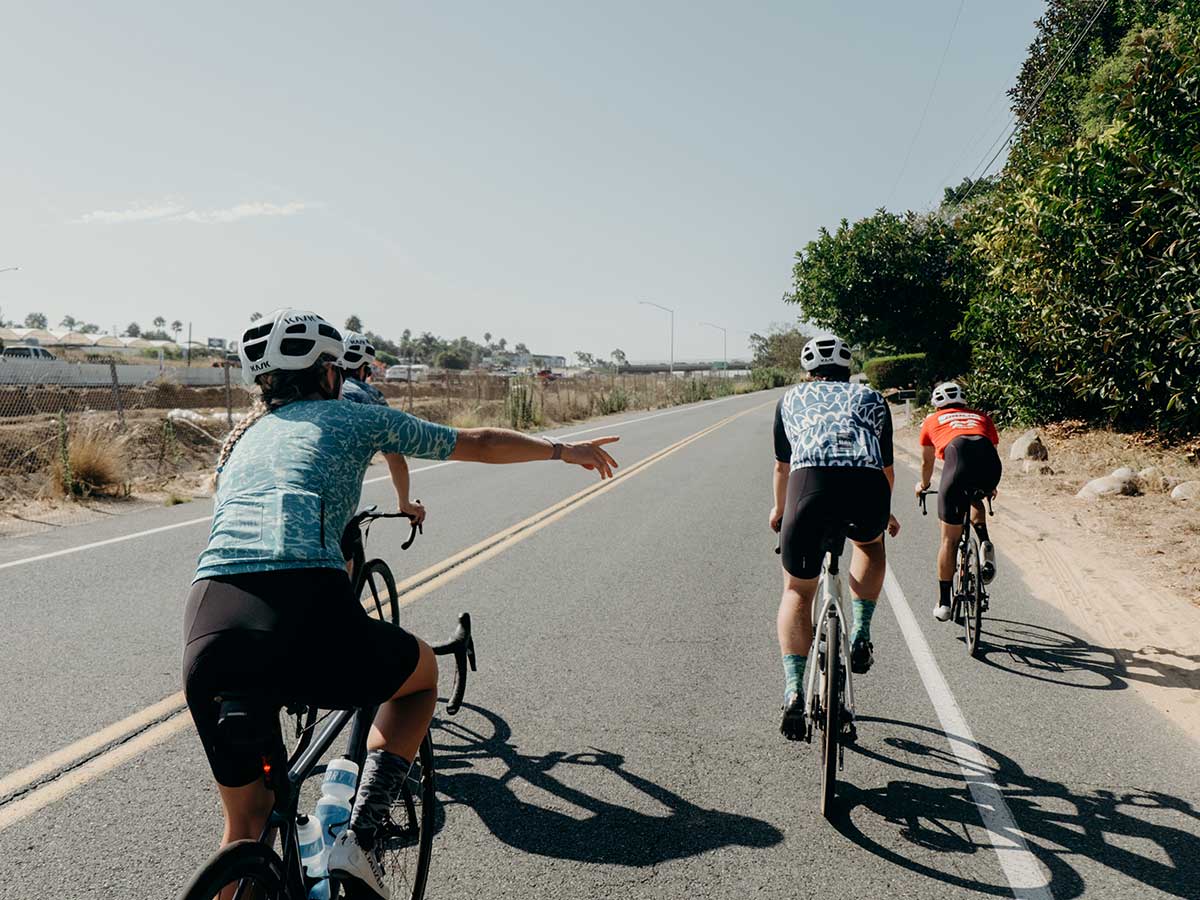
971,465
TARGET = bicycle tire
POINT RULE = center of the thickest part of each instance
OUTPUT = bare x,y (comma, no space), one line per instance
405,849
973,619
831,714
378,592
242,861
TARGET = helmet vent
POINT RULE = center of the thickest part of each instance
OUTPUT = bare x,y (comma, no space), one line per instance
296,346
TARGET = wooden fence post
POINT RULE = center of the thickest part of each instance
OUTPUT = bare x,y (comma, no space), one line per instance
228,397
116,388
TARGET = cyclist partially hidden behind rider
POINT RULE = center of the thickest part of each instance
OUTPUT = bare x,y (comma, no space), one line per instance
833,467
271,603
358,356
966,439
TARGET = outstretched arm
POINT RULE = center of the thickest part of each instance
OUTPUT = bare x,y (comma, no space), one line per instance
501,446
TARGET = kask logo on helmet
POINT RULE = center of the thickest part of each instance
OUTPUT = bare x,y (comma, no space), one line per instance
307,317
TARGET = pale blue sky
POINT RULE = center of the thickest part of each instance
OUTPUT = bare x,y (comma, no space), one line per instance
528,169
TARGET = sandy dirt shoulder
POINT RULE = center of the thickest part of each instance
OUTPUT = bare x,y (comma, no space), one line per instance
1124,570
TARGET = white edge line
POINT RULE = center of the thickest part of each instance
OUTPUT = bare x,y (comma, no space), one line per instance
1021,868
66,551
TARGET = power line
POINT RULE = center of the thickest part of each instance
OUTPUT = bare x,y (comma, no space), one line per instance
1037,100
928,100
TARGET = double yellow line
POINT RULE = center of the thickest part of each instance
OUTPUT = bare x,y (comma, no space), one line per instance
39,784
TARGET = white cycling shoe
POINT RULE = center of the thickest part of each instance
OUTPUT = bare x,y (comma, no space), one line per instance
347,859
988,552
941,612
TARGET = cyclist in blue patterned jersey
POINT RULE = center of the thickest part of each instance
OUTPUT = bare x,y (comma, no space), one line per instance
358,355
833,464
271,599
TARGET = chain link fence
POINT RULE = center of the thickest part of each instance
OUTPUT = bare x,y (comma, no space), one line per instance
75,436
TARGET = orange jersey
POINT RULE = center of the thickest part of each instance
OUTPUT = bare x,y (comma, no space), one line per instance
944,425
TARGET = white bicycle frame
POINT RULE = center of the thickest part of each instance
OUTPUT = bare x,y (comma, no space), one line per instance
830,600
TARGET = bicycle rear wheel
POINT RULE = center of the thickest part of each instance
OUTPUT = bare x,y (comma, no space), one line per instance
378,593
252,867
831,714
405,841
973,598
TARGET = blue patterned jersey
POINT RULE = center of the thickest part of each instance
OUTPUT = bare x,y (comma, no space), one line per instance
361,392
833,423
294,479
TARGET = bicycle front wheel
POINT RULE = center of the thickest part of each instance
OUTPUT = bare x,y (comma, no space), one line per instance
831,701
378,593
973,597
251,870
405,840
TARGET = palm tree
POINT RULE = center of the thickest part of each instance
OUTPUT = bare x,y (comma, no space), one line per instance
68,322
160,323
176,327
487,339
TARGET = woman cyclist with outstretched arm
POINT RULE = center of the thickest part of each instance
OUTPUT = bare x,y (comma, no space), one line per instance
271,595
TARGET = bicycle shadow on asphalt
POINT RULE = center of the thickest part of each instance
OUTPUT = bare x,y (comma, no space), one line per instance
1058,824
1057,657
607,832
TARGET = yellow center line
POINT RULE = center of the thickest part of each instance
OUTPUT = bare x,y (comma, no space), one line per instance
153,725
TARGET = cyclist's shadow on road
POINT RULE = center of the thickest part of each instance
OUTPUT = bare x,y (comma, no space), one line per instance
606,832
1059,825
1047,654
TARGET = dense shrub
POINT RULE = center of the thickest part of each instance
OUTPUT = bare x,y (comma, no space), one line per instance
766,377
909,370
1095,263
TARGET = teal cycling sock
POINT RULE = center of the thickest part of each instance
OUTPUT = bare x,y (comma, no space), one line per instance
863,611
793,672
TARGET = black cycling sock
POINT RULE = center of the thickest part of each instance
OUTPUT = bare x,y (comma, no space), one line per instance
383,776
944,592
981,530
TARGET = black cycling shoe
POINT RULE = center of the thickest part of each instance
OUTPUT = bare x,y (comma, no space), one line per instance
861,656
791,723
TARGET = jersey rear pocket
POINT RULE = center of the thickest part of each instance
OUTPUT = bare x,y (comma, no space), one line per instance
301,529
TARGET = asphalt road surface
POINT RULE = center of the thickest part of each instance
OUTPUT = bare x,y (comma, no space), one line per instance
620,738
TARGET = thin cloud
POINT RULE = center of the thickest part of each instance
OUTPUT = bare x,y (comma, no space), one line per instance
136,214
176,212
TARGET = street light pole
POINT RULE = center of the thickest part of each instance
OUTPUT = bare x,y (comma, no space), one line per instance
724,345
672,312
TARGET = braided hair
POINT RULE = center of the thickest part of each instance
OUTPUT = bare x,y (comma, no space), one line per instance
277,389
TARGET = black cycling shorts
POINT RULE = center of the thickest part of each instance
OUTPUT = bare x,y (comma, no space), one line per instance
818,500
294,636
972,467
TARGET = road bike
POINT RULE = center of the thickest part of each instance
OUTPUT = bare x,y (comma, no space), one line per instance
969,596
828,686
254,869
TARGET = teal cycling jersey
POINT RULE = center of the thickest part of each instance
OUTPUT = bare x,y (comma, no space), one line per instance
361,392
294,480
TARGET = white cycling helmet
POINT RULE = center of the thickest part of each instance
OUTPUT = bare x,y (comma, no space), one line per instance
825,351
356,351
947,393
287,339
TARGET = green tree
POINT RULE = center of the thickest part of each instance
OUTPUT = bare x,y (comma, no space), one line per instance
88,328
36,320
176,327
255,316
779,347
133,329
892,282
619,357
586,360
68,322
448,359
160,323
354,323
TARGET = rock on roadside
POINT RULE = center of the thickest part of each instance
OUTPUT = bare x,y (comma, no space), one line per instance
1187,490
1028,446
1121,482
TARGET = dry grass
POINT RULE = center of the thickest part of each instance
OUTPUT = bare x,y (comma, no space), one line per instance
97,464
